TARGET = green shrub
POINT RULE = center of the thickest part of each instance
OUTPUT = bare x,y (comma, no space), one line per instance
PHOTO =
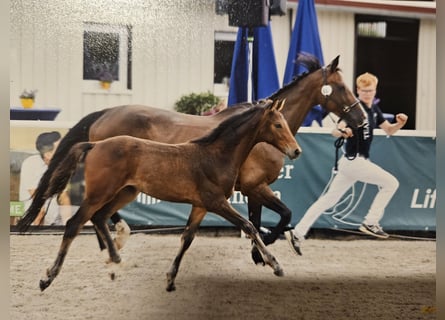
196,103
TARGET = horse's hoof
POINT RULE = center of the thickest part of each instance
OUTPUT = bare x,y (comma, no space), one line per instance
278,272
170,282
171,287
117,259
267,239
44,284
256,256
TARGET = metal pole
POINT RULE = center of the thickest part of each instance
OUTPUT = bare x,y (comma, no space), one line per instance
250,39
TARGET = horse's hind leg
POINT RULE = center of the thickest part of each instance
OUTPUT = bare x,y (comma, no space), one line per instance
187,237
72,229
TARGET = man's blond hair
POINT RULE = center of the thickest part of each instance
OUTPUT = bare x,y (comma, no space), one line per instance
366,80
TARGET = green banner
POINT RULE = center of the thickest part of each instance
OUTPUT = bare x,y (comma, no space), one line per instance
411,159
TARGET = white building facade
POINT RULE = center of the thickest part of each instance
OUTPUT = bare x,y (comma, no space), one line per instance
172,45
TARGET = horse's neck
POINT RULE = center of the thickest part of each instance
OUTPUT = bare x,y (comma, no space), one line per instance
299,101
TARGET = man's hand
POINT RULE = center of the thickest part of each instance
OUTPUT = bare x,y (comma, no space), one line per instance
342,130
401,119
345,132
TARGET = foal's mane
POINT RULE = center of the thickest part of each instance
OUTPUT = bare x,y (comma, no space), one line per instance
230,125
310,62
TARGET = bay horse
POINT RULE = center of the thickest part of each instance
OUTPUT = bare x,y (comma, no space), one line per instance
319,86
201,172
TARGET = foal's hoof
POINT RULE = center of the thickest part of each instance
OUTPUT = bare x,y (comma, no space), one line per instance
170,283
278,272
256,256
44,284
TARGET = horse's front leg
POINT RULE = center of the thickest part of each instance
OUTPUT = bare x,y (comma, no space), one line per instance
229,213
123,197
122,232
72,229
187,237
285,213
255,217
264,196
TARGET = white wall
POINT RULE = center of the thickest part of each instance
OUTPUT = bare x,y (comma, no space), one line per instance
172,51
426,76
173,43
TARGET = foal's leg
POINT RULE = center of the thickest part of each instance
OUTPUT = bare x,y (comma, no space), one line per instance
188,235
226,211
72,229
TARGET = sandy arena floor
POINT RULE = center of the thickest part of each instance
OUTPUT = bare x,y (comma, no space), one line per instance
334,279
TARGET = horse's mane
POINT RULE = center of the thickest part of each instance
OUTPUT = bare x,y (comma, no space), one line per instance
310,62
230,124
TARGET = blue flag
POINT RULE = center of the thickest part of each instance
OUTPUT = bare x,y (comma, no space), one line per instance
305,38
264,69
240,69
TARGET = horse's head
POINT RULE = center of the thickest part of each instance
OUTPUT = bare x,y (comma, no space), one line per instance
275,130
336,97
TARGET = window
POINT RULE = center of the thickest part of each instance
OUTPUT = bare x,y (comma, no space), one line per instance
107,55
387,46
224,46
372,29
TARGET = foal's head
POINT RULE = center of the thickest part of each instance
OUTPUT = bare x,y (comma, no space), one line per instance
262,122
275,130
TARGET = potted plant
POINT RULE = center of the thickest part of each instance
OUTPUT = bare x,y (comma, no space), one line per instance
105,78
27,98
196,104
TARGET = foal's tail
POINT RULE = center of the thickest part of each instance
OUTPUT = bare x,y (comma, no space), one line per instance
65,169
78,133
61,174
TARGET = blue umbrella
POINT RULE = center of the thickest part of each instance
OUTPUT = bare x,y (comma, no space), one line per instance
305,38
264,75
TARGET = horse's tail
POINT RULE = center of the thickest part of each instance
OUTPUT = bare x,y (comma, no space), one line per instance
78,133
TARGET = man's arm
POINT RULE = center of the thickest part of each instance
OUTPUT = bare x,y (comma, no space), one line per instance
391,128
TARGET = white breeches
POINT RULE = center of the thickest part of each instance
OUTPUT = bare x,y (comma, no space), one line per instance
349,172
